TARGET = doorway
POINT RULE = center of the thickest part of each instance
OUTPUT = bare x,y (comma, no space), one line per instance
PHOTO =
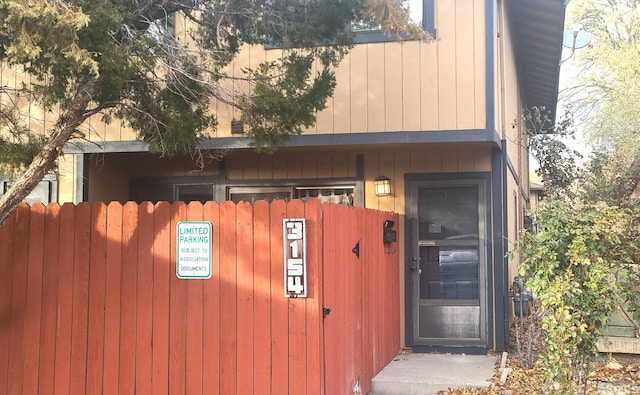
447,273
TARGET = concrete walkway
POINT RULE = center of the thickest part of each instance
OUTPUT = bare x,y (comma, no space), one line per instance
423,374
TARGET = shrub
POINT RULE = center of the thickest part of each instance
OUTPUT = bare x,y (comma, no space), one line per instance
573,265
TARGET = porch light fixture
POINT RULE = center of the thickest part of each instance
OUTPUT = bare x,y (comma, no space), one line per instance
383,186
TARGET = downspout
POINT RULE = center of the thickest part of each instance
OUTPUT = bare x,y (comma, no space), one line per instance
505,263
503,166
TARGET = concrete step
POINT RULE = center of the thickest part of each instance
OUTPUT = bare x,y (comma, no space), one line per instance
424,374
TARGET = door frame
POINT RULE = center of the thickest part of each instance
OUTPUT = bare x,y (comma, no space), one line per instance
482,179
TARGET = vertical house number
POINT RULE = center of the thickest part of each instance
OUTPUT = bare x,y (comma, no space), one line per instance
295,258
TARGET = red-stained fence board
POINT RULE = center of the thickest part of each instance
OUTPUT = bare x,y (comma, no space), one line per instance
113,281
49,324
6,266
228,302
162,275
331,288
352,297
97,296
279,304
314,299
78,219
245,284
297,326
177,311
194,320
261,299
211,305
128,298
18,300
368,226
145,297
65,300
33,308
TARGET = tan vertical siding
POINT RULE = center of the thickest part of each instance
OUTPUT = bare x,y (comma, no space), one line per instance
434,162
465,70
325,166
387,166
388,86
376,87
340,167
294,162
394,104
279,166
480,82
402,163
342,99
429,159
359,73
429,88
67,181
241,165
449,161
310,165
246,165
250,168
418,161
265,167
447,87
411,82
466,160
324,119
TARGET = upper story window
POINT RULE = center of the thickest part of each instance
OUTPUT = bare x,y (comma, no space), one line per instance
45,192
163,28
421,12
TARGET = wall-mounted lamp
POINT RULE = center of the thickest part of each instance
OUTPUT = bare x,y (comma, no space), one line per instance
383,186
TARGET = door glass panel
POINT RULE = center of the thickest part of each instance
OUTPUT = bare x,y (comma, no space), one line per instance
449,273
448,213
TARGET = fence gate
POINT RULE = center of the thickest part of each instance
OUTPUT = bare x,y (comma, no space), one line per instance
90,301
361,287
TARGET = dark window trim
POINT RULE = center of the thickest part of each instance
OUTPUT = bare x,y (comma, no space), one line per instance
376,36
428,24
50,179
356,182
221,186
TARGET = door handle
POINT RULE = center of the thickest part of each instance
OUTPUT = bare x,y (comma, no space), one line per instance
414,265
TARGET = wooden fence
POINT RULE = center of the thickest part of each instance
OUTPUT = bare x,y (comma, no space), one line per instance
90,302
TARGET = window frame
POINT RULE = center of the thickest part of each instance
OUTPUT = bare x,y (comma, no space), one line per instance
49,183
377,36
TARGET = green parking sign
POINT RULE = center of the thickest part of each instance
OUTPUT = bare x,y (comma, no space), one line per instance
193,249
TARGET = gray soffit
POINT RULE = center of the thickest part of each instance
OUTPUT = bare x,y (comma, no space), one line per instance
538,26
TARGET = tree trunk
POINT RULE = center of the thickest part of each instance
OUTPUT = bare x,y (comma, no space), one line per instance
70,119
